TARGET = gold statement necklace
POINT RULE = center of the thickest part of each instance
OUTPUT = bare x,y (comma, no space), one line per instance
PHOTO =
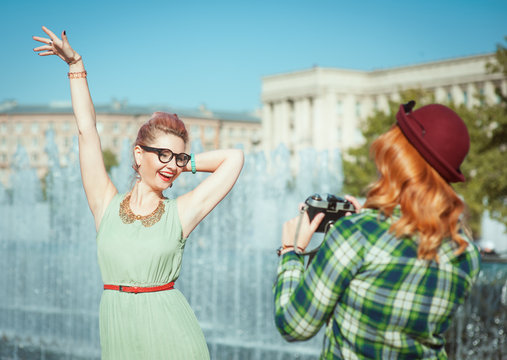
128,217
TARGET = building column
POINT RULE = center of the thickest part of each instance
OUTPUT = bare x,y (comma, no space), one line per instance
471,95
383,103
368,107
457,95
440,95
395,97
350,120
267,126
302,123
276,137
317,117
282,126
330,124
489,92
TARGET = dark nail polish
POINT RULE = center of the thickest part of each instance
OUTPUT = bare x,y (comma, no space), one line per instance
64,33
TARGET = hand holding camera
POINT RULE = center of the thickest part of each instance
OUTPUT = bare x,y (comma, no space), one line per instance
318,214
333,207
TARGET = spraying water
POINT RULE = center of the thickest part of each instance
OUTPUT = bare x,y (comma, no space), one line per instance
52,284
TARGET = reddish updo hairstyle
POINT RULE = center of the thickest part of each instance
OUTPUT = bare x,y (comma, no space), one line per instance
160,123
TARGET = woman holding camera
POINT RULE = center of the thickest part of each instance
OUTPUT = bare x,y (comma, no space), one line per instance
141,234
388,279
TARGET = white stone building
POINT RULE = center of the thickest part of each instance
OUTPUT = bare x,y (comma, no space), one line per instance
322,107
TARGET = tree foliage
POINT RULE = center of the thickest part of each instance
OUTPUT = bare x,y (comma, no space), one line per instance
485,166
110,159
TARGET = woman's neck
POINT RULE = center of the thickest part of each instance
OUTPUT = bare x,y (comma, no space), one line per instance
143,197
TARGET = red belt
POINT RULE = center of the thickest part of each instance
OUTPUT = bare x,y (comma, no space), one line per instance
139,289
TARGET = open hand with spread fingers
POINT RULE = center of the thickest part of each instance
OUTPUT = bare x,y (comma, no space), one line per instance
56,46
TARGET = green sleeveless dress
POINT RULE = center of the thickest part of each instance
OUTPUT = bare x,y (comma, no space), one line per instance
149,326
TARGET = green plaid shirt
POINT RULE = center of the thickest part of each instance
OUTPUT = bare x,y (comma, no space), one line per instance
378,300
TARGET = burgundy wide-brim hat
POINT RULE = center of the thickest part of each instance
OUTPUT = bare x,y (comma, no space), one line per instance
439,135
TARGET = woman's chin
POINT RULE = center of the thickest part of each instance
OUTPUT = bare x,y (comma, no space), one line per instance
161,186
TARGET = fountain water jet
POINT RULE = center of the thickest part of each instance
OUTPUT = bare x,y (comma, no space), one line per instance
52,283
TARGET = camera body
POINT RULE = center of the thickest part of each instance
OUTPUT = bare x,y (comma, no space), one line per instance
334,207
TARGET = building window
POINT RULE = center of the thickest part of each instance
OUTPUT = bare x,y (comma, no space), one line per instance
130,127
209,132
116,127
195,130
34,157
115,142
19,127
66,141
358,109
449,97
65,126
35,142
35,128
339,108
3,128
465,98
4,158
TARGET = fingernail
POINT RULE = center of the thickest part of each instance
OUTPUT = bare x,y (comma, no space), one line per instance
64,33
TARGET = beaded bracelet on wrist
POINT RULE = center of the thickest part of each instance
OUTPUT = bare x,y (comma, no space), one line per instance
77,75
284,247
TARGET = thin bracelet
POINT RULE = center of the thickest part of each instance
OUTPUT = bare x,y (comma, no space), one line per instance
192,163
77,75
285,247
75,61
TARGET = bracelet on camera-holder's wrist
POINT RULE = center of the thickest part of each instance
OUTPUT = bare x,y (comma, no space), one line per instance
285,247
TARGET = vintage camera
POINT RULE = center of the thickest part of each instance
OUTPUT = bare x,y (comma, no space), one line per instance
333,206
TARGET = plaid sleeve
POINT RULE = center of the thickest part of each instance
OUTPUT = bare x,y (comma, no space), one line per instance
304,299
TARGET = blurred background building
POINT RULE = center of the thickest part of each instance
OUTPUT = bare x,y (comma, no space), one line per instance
26,125
318,107
322,107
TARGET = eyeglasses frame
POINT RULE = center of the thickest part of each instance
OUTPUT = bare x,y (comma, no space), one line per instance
173,154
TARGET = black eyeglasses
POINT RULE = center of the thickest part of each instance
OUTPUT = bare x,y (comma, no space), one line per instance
166,155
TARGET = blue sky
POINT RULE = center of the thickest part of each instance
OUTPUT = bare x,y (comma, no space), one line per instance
187,53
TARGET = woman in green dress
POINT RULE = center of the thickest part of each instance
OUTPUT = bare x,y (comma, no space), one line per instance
141,235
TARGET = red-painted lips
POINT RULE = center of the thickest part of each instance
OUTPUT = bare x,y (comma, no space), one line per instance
166,176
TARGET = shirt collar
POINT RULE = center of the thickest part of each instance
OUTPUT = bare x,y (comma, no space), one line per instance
395,216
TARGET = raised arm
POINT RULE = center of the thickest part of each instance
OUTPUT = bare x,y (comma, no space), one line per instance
196,204
97,185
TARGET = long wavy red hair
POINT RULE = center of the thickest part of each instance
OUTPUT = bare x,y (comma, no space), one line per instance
430,207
